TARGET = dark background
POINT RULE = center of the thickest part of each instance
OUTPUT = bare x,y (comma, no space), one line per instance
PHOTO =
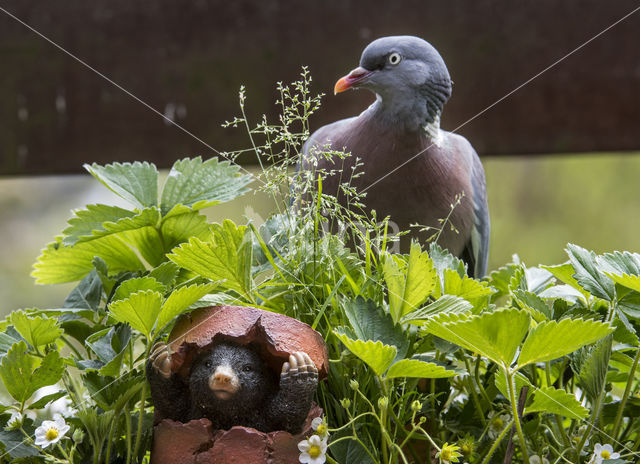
188,59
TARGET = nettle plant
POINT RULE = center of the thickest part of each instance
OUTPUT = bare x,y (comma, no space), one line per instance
427,365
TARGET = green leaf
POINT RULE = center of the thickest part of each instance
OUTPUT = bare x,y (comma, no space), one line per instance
45,400
465,287
536,306
110,346
37,331
551,339
140,311
371,322
135,285
376,355
136,183
166,273
442,260
7,341
496,335
180,300
88,221
591,365
15,446
23,374
565,273
626,280
419,369
620,263
587,273
59,264
179,228
409,282
199,184
87,294
220,259
554,401
444,304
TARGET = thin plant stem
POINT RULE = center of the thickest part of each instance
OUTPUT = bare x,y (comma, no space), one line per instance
511,386
497,442
625,396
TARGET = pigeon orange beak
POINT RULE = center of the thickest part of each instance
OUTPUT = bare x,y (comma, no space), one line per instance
351,80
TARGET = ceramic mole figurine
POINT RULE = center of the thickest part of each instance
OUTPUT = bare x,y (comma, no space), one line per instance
231,385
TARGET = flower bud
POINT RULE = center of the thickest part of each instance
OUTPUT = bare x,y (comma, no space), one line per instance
383,402
416,406
345,403
78,436
354,385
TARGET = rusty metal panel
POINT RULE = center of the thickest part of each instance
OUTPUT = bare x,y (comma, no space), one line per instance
188,59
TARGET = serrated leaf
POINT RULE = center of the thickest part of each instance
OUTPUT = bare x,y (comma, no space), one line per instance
135,182
37,331
179,228
166,273
442,260
180,300
587,273
591,365
409,282
135,285
620,263
87,294
536,306
371,322
110,346
7,341
15,446
551,339
495,335
220,258
376,355
444,304
59,264
88,221
419,369
45,400
464,287
140,311
23,374
555,401
501,278
565,273
626,280
199,184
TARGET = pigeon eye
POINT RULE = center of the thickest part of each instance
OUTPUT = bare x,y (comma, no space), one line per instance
247,369
394,58
208,364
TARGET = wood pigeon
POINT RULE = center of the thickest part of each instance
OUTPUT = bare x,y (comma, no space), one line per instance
411,84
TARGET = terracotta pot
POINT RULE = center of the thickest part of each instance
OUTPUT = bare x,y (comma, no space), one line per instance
196,443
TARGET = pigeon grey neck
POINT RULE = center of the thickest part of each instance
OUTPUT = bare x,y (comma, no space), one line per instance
413,117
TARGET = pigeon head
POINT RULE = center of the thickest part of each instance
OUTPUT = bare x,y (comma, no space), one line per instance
407,74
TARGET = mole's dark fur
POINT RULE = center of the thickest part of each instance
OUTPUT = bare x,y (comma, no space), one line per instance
263,401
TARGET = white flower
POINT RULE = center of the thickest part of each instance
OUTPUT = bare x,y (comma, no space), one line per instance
319,425
313,450
497,422
535,459
51,432
601,453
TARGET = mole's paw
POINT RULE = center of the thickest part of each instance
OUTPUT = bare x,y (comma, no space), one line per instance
160,359
300,369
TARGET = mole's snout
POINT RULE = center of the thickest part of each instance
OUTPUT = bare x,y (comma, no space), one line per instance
224,382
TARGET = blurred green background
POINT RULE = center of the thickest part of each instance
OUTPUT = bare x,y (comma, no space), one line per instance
538,204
